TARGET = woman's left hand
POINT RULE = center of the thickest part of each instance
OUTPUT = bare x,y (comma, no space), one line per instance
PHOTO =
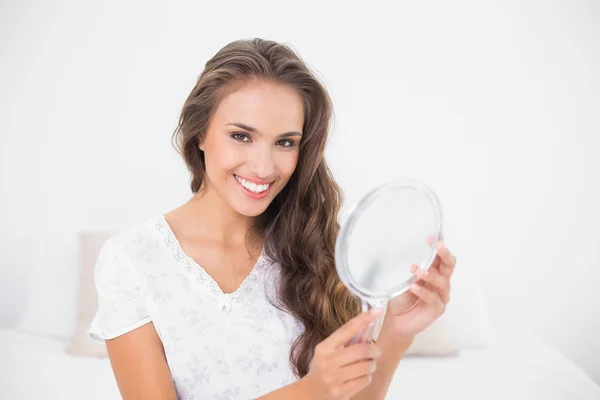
413,311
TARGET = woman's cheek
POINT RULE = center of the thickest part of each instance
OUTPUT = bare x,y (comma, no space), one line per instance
287,164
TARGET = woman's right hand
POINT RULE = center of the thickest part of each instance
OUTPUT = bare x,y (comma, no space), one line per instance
338,372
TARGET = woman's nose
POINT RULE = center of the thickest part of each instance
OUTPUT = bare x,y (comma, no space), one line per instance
262,163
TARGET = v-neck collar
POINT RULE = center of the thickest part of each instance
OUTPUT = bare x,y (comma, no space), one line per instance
200,273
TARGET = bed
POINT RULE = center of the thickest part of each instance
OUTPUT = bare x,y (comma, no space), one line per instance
36,367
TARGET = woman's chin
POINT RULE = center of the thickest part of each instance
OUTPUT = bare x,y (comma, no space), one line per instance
251,210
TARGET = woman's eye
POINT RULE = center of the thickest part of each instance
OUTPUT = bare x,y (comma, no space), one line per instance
241,137
287,143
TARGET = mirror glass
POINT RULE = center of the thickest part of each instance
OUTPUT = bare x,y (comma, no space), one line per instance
394,226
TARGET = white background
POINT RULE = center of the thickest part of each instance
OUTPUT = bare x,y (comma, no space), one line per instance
496,105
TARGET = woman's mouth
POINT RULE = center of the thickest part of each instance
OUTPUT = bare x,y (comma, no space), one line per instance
252,189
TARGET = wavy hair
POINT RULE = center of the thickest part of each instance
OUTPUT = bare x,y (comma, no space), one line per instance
300,225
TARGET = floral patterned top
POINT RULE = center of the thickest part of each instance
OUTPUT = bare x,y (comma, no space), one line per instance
217,345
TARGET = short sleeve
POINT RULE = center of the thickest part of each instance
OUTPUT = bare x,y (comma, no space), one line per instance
121,301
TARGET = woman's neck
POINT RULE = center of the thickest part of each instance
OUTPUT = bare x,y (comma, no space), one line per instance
213,218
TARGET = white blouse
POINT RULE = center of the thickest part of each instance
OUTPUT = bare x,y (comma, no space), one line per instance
217,345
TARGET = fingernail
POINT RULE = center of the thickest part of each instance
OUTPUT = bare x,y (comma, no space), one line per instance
442,248
423,272
416,287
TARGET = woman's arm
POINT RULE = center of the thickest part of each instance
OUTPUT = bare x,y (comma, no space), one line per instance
392,351
298,390
140,366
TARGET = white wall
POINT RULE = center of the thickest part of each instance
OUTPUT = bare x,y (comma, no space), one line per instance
494,104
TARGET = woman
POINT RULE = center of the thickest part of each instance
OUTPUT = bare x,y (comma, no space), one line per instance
234,294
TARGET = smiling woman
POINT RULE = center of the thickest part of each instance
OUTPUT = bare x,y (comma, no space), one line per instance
234,294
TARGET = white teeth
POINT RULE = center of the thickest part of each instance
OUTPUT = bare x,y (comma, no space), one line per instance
251,186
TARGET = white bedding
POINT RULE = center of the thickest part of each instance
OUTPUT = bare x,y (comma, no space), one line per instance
512,370
34,367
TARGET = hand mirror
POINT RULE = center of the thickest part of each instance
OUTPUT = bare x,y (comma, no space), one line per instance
394,226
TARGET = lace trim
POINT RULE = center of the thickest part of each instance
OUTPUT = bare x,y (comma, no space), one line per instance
200,273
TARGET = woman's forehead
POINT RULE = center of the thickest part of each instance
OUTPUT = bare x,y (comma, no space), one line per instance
266,106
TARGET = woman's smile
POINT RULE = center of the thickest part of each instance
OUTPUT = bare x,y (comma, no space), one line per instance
253,188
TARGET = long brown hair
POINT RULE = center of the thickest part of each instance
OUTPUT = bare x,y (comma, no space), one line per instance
300,226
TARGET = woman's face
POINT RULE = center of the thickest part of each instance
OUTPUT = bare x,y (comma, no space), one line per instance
252,145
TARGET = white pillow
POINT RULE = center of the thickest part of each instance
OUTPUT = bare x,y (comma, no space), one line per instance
52,287
468,316
87,305
437,340
55,285
465,324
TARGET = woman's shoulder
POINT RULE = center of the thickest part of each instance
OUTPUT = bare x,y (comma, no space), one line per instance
137,236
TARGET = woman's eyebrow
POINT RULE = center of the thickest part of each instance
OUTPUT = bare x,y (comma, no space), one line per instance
290,134
254,130
243,126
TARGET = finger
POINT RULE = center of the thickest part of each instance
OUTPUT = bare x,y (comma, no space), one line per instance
432,279
448,261
355,353
430,239
436,261
444,253
341,336
357,370
431,298
436,281
404,302
354,386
